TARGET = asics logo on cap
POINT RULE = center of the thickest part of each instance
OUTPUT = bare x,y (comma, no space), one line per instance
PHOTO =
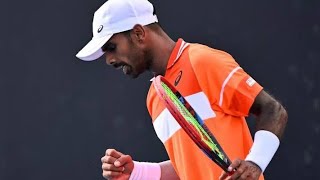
100,28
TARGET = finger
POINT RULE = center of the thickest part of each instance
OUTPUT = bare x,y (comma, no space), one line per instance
110,174
114,153
111,167
236,163
223,176
245,175
121,161
108,159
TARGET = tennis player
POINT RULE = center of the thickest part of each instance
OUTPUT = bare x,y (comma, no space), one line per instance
127,32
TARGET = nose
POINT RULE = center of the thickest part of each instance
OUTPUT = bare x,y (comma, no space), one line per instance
110,59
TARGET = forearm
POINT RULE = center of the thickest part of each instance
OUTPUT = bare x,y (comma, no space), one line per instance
271,122
167,171
273,119
270,115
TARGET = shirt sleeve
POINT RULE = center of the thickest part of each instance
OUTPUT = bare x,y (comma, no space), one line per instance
225,83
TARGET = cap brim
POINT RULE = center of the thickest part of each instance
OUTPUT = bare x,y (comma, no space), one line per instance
92,50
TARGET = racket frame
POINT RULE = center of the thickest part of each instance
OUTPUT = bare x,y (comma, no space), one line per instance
190,129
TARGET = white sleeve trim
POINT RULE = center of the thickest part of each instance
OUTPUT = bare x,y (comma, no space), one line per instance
225,83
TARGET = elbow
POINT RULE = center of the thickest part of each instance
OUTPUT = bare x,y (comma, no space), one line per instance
282,120
283,115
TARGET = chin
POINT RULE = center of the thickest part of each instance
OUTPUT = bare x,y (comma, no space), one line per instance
133,75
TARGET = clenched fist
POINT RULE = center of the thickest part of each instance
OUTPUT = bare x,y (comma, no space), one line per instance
116,166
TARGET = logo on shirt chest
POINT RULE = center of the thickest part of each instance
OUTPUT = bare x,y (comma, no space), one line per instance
176,82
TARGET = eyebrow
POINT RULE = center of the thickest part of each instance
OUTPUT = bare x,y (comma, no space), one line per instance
106,45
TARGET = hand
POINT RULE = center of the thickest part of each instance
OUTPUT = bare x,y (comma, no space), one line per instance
242,170
116,166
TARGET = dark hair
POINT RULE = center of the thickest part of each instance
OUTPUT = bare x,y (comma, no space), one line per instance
127,33
153,26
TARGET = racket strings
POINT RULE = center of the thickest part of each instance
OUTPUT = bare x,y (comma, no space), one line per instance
191,119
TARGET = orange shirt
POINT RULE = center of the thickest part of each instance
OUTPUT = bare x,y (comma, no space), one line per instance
221,92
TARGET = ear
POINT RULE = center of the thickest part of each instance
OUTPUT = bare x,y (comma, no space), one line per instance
138,33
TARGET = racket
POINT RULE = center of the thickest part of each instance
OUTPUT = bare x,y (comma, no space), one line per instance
191,122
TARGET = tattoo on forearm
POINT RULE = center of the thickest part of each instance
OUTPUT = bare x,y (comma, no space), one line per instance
271,115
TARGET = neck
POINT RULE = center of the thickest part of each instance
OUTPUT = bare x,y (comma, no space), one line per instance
161,48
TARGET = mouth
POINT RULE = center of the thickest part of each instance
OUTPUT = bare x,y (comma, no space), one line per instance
118,66
126,69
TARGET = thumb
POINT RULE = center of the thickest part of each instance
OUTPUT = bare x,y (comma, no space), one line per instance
126,162
223,175
123,160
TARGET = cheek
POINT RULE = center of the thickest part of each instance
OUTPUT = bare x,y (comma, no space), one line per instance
136,58
141,60
130,56
124,57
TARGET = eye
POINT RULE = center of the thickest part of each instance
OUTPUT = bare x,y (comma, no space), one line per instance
109,47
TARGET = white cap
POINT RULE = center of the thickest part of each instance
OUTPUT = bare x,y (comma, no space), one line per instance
112,17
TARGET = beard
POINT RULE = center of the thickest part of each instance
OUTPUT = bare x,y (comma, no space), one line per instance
142,62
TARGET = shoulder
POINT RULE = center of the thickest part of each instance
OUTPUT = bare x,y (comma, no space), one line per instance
202,56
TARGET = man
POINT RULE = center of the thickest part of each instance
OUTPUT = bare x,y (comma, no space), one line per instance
128,33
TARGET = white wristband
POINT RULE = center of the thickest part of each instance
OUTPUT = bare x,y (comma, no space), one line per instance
263,149
145,171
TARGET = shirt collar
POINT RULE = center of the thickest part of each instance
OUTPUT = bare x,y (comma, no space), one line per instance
176,53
